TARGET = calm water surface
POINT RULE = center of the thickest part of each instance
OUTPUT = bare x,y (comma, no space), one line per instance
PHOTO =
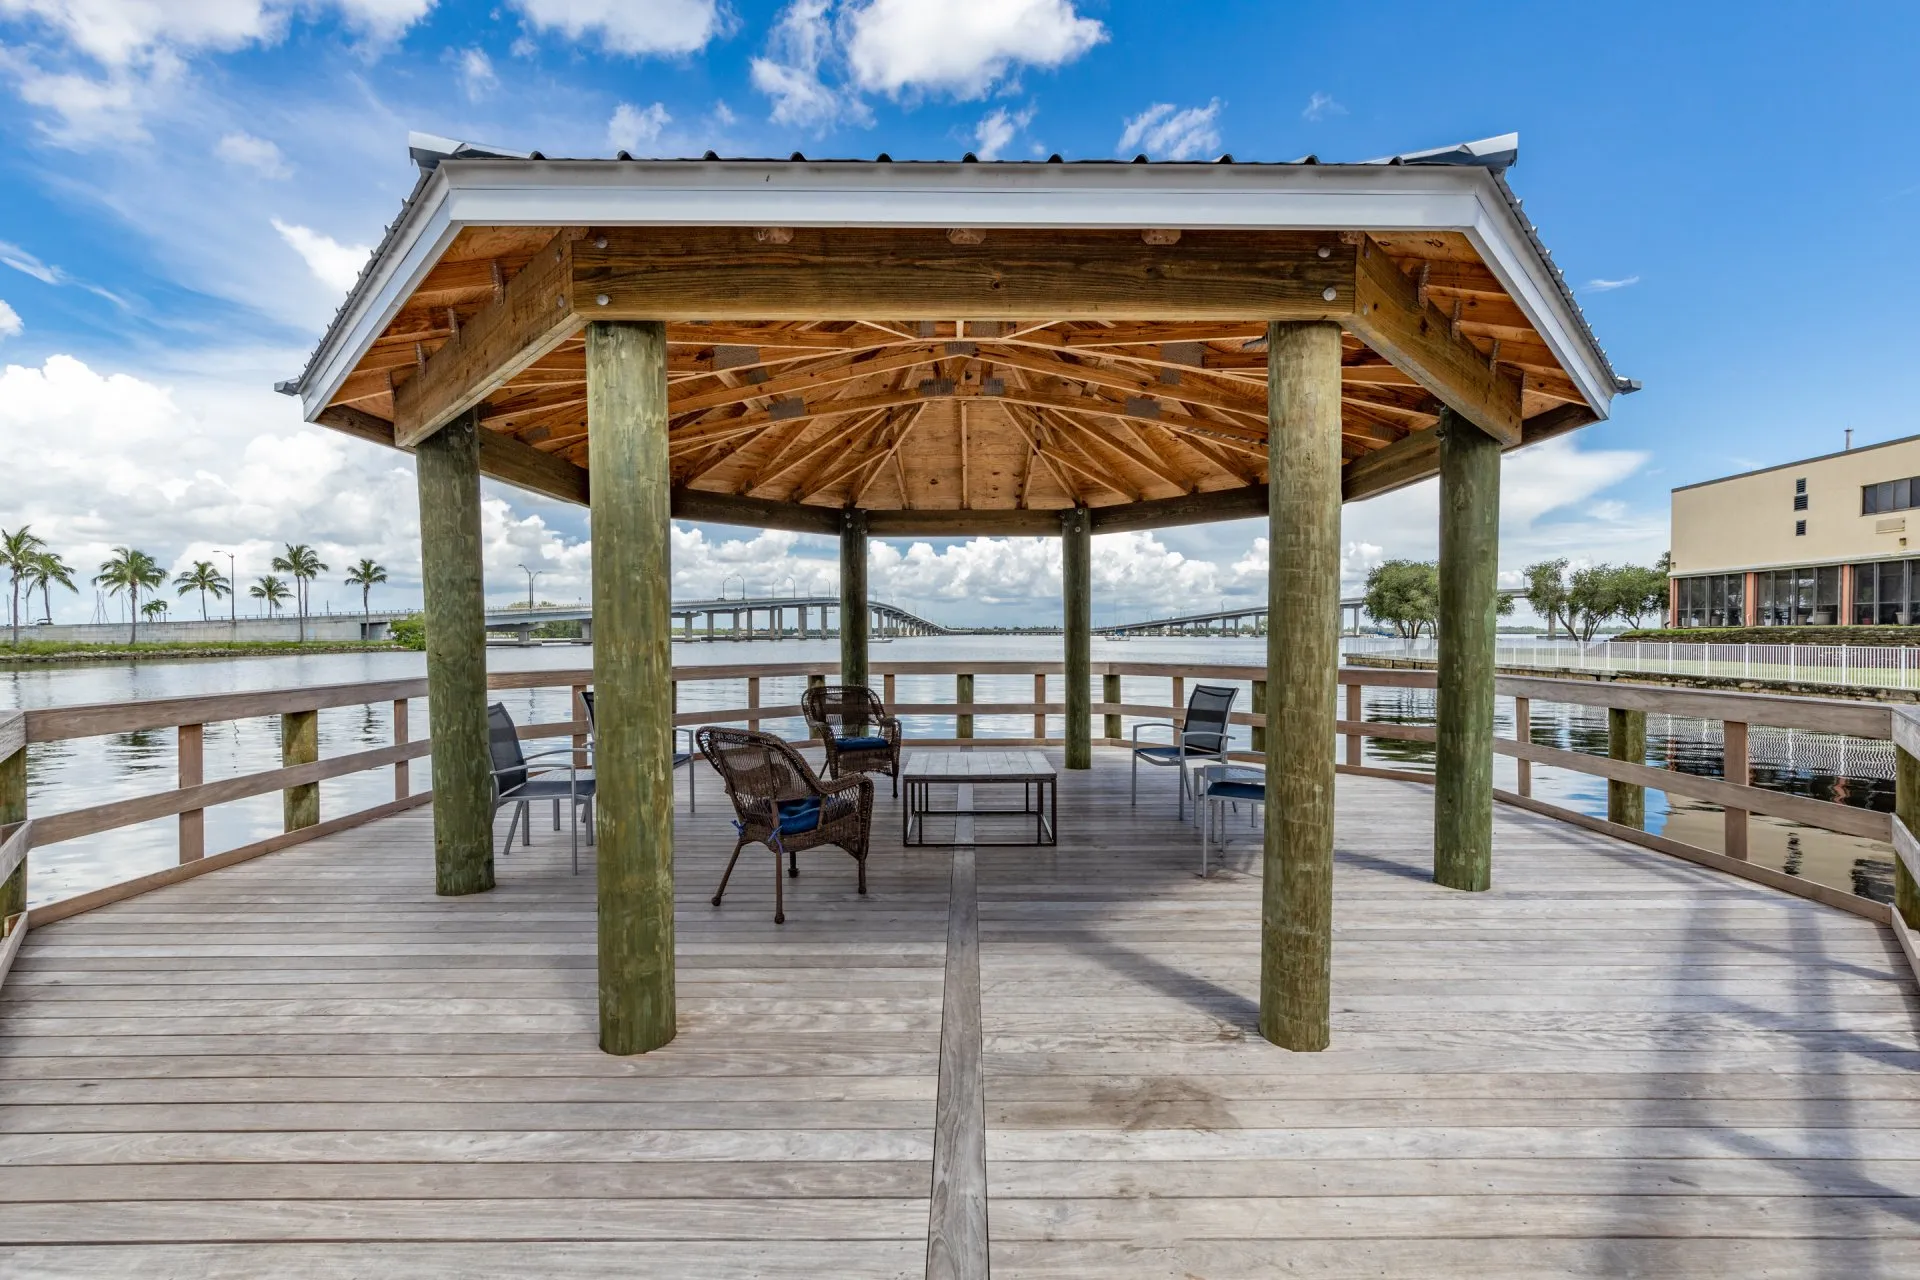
88,771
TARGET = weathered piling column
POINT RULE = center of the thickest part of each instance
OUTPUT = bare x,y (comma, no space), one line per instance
633,675
1469,604
1303,672
13,813
853,598
1076,583
447,464
1626,740
1906,812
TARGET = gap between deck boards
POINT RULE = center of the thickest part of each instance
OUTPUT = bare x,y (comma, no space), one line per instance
957,1210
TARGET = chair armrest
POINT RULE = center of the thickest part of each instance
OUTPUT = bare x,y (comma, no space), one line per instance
557,751
1219,737
851,782
1153,724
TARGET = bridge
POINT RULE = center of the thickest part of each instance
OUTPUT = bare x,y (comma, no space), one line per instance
755,618
1251,620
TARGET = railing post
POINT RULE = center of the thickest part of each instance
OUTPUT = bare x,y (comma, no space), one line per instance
1736,769
1039,699
1259,708
402,776
13,810
753,702
577,712
1179,700
887,690
193,822
963,696
300,744
1523,732
1110,693
1627,740
1356,712
816,680
1906,807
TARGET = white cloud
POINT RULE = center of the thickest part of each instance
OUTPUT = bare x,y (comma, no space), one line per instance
894,46
476,74
1167,132
332,263
633,27
800,43
1608,286
997,129
1320,106
10,322
634,129
12,255
249,152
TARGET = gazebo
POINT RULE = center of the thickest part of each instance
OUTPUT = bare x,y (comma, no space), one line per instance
877,348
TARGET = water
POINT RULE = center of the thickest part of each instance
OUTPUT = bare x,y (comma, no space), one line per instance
88,771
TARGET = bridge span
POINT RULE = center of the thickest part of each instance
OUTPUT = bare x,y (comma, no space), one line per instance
1251,620
755,618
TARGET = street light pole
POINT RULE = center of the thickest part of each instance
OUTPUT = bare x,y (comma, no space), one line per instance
233,599
531,575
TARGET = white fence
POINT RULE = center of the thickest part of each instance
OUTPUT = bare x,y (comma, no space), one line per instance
1836,664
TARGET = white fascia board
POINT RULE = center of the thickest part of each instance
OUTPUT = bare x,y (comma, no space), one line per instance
483,192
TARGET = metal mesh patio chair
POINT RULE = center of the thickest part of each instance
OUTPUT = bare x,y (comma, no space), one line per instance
851,722
680,758
780,802
1202,737
519,781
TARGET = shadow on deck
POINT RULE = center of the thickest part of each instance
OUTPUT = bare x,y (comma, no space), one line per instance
1613,1063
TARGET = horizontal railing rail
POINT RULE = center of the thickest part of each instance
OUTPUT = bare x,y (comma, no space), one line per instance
1853,666
193,796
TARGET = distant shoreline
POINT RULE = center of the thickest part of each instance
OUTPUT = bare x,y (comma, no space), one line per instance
30,655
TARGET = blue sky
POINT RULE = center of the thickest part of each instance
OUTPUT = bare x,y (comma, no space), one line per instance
186,194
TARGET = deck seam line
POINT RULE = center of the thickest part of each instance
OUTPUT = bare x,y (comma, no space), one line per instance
957,1205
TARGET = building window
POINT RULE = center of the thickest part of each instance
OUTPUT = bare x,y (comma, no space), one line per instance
1799,528
1797,597
1799,502
1889,495
1884,593
1710,600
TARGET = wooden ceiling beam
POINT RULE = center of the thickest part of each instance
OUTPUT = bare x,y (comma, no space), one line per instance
838,369
530,319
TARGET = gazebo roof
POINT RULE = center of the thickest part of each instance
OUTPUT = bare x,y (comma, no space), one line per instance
959,347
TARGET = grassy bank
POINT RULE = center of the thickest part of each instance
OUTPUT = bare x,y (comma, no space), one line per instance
1887,637
34,652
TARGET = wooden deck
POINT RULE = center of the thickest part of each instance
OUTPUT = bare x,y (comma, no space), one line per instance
1612,1064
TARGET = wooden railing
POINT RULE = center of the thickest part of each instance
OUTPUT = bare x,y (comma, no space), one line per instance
302,771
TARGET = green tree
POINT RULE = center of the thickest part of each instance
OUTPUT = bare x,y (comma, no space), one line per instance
271,590
1404,594
304,564
1547,592
366,575
17,552
48,568
154,610
203,577
130,571
1593,596
1639,590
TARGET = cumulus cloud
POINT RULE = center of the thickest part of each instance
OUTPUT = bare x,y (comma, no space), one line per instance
636,128
249,152
10,322
895,46
633,27
476,74
790,73
1167,132
997,129
334,264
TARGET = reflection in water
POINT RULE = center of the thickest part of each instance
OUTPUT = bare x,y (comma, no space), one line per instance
88,771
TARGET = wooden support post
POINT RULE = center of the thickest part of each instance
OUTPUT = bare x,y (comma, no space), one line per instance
13,810
1110,693
853,598
402,775
1356,713
1039,699
1906,805
963,697
753,701
1259,707
1076,582
1627,740
193,772
1303,673
448,466
1463,705
1523,732
1736,769
633,679
300,744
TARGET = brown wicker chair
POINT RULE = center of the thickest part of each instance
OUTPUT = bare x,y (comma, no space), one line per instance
851,722
780,802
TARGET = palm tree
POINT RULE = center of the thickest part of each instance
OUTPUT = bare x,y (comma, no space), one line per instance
131,571
272,590
154,610
203,577
305,566
49,568
366,575
17,550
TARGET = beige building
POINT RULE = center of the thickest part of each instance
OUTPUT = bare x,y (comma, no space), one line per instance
1817,542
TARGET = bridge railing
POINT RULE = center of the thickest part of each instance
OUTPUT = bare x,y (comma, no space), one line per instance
302,771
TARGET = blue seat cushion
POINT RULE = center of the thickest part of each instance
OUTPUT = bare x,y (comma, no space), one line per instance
797,816
1237,791
868,743
1162,753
